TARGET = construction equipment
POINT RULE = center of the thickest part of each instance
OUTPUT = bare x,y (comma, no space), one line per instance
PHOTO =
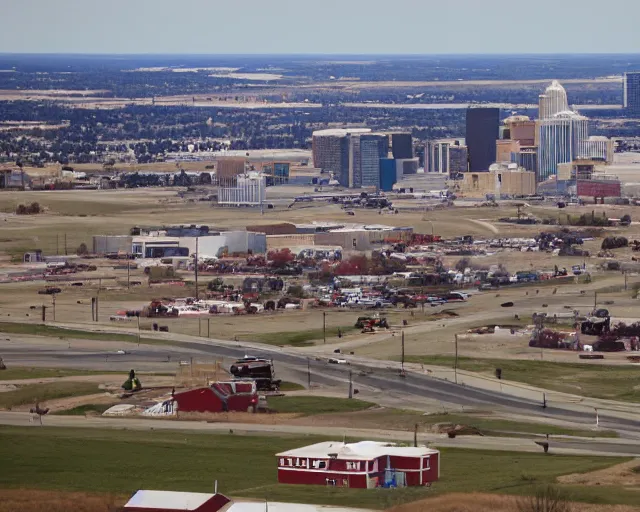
257,369
371,321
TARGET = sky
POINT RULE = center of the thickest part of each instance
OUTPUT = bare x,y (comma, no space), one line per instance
320,26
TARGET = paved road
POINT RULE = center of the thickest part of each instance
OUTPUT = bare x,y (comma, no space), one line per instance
380,376
574,446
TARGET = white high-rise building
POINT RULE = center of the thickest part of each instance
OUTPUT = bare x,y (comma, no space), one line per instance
561,139
553,101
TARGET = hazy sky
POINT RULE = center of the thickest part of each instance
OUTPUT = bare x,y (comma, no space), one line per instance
320,26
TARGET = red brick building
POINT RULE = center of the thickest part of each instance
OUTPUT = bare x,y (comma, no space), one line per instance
362,465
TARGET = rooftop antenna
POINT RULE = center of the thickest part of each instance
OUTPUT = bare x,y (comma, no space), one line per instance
215,487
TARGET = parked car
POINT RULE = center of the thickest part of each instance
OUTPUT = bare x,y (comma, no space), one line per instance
456,297
333,360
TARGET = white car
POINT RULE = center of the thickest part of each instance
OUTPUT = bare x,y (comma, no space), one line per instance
334,360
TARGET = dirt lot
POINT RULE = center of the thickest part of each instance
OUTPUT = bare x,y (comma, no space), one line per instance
74,216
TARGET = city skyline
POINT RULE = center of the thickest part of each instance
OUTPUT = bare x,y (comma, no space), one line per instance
287,27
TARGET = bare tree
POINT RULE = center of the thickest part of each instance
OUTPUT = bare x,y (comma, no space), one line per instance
545,499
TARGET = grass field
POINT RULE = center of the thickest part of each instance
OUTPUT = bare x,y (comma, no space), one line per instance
297,338
120,462
44,373
27,395
57,332
291,386
81,410
399,419
585,379
310,405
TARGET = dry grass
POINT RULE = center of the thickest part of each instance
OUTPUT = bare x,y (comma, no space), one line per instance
477,502
625,474
29,500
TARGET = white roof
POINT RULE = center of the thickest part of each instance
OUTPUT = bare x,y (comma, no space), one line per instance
168,500
363,450
340,132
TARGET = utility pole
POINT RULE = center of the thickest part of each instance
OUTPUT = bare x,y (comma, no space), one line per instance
197,295
350,384
402,355
138,316
53,298
455,364
308,373
324,326
44,313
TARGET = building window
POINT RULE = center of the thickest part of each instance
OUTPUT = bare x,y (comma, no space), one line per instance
281,462
426,463
353,466
319,464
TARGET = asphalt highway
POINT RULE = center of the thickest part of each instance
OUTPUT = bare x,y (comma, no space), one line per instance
384,378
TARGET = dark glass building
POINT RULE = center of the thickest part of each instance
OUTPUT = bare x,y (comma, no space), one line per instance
401,146
483,125
388,174
632,92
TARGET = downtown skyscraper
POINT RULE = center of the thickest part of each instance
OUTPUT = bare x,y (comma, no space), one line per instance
561,132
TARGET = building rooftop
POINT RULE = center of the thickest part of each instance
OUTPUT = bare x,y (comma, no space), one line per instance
340,132
363,450
169,500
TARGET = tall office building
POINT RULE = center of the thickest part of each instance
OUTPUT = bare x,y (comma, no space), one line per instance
445,156
401,145
331,151
631,92
355,171
483,126
373,147
561,139
553,101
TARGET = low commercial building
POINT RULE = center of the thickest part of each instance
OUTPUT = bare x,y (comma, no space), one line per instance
362,465
212,245
501,180
171,501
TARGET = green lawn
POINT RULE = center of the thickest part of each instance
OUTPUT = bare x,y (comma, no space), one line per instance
123,461
81,410
493,427
310,405
19,373
296,338
585,379
27,395
58,332
291,386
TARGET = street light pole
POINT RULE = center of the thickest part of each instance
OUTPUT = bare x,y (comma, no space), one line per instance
196,262
455,365
402,360
324,326
308,373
